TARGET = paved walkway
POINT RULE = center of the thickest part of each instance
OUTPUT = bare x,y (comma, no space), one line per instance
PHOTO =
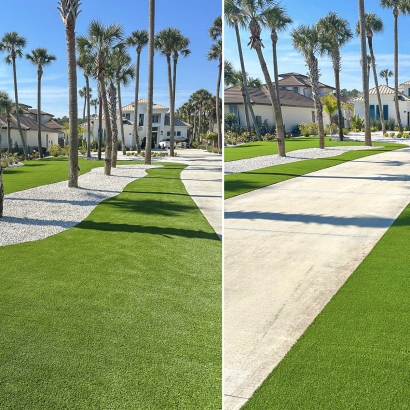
288,249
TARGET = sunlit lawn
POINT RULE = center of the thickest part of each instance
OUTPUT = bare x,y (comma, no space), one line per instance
122,311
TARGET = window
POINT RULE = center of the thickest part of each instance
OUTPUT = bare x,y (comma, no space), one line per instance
259,120
155,118
296,89
168,133
313,117
178,133
128,116
386,112
375,112
141,120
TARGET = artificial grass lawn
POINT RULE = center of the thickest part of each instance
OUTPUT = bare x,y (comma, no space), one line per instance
45,171
122,311
356,354
240,183
260,148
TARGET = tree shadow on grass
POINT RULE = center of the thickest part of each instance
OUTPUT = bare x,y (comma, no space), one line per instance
152,230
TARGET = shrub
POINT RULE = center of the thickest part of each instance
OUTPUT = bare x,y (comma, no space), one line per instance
194,144
54,150
399,134
392,134
345,131
307,129
356,123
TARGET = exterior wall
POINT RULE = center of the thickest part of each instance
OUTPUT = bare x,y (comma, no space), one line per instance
30,136
182,130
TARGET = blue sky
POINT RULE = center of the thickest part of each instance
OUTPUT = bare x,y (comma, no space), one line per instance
289,60
39,22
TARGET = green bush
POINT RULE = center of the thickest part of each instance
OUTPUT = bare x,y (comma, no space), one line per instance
54,150
392,134
356,123
345,131
307,129
194,144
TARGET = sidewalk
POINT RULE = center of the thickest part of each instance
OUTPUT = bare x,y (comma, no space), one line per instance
288,249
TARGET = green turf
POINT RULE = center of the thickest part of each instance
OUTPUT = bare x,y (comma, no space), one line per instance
240,183
45,171
122,311
356,354
260,148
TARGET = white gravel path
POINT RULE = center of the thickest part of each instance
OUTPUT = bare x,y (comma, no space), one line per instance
40,212
250,164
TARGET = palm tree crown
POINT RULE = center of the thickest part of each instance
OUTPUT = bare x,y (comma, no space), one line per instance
386,74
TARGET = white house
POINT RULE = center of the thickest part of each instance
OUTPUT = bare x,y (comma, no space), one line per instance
296,101
387,98
160,124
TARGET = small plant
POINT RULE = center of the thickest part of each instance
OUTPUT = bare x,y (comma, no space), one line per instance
54,150
392,134
399,134
356,123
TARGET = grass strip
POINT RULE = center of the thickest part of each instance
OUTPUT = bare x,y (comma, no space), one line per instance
45,171
356,354
122,311
240,183
261,148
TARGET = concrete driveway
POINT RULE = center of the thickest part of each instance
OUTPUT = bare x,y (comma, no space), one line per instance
289,247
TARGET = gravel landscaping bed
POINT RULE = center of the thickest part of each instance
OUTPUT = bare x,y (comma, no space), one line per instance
250,164
40,212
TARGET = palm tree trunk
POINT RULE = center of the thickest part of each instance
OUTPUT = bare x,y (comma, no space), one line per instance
1,193
274,38
112,93
40,149
72,105
136,138
245,84
151,28
23,141
124,151
339,103
10,148
171,88
314,78
280,135
396,70
218,114
376,83
245,105
87,86
100,132
108,133
365,83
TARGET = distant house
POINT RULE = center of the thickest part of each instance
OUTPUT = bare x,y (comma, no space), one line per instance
387,98
295,95
28,121
160,124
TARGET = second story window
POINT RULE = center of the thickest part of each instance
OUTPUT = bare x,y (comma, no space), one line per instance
141,120
155,118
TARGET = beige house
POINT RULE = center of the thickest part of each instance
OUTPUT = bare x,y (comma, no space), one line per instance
160,124
295,95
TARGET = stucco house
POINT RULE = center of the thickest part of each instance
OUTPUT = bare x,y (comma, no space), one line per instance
296,101
387,98
160,124
28,121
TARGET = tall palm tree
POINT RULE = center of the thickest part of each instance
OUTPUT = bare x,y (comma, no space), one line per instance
13,45
94,103
137,39
6,107
305,39
373,24
334,33
399,7
365,79
235,79
228,72
69,11
170,42
86,63
151,43
253,16
277,20
233,17
40,58
215,53
386,74
198,98
98,43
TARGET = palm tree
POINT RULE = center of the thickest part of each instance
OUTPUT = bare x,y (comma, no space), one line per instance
235,79
276,20
169,42
233,17
399,7
373,24
365,80
94,103
253,15
386,74
98,43
6,107
86,63
151,43
138,39
40,58
198,98
228,72
215,53
334,33
13,44
305,39
69,12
